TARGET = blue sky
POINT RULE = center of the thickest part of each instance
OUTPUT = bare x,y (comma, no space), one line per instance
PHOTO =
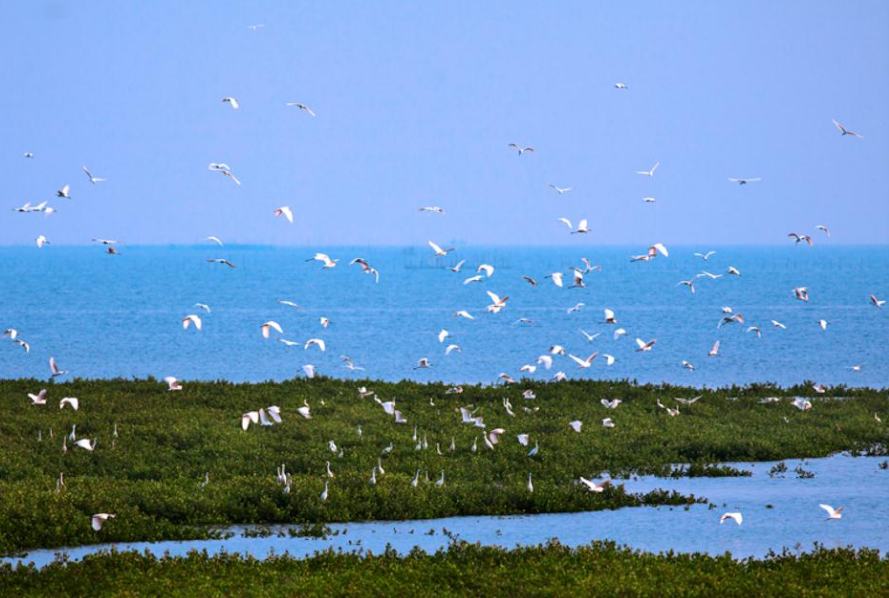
416,103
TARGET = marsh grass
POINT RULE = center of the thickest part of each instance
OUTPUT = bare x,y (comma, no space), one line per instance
150,475
599,569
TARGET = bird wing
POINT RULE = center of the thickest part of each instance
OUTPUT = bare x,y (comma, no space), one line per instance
435,247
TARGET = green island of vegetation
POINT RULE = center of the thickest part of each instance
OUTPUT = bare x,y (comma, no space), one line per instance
177,465
599,569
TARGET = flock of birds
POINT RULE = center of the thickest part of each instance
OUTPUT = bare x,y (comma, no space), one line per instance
575,275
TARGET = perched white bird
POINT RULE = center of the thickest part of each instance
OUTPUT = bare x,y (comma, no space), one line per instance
736,517
286,212
324,492
801,403
305,411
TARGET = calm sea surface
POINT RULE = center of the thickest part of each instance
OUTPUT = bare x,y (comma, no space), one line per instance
108,316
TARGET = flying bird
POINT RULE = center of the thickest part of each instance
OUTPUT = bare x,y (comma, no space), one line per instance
832,513
324,259
644,346
439,251
301,107
191,319
54,368
745,181
93,179
649,173
267,327
286,212
97,520
736,517
231,102
221,261
562,190
521,149
846,131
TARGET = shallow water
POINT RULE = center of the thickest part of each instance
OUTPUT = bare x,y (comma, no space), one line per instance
119,316
794,519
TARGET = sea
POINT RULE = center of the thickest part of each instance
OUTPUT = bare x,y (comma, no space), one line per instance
110,316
